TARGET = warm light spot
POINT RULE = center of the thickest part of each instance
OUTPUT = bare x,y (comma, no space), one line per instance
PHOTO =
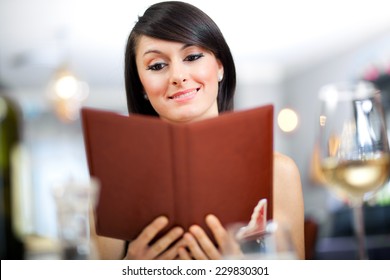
287,120
67,94
322,120
66,87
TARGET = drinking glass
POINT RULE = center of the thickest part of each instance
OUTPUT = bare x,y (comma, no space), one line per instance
274,243
354,149
73,202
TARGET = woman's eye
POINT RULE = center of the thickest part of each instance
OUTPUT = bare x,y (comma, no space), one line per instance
193,57
156,66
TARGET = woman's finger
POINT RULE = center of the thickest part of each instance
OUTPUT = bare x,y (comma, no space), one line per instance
184,254
139,246
205,243
194,248
219,232
226,243
163,244
151,230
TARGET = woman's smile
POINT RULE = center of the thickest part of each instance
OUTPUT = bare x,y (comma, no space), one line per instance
185,95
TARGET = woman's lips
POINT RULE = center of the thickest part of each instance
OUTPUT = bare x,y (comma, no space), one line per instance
184,95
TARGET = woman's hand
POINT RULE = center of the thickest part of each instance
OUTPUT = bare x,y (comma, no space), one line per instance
139,248
197,245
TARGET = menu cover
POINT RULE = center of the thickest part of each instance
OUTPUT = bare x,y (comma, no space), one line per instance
148,167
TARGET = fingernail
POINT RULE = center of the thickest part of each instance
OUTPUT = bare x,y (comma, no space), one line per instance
163,220
194,229
179,231
188,236
211,218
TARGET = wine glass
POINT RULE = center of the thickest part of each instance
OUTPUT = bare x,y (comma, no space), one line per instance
354,149
274,243
73,201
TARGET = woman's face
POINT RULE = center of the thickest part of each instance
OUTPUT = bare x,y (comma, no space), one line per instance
181,81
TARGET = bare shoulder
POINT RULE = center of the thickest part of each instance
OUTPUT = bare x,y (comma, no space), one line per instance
286,176
288,198
284,164
283,160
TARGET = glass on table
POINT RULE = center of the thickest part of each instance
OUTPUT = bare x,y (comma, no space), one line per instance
73,204
354,150
274,243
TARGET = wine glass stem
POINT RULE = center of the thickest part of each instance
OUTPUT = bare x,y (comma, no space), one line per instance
358,221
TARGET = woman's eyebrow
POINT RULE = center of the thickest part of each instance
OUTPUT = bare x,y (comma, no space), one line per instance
152,51
185,46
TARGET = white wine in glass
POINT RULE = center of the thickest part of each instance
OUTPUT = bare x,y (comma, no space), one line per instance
357,177
354,148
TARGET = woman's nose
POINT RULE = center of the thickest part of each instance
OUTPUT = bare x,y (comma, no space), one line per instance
178,74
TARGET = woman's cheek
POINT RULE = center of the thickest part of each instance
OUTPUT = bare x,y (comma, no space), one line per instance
207,74
154,86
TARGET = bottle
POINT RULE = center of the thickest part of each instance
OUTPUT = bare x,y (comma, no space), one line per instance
11,246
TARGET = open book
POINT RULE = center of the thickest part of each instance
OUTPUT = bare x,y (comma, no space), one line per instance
148,167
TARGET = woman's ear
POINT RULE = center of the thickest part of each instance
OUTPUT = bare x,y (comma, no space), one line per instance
144,94
220,71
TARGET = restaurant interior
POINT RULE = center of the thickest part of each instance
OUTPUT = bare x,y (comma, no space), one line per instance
285,52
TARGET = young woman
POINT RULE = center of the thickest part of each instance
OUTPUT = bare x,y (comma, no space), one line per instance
179,67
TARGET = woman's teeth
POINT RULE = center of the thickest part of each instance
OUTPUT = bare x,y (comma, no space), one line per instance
184,95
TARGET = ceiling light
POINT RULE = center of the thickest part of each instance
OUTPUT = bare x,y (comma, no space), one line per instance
67,94
287,120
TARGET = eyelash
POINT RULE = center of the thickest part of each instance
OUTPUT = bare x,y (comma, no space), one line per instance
156,67
193,57
161,65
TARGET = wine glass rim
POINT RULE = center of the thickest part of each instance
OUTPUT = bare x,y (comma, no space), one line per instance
347,90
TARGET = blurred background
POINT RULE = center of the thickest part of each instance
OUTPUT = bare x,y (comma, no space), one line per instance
59,55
